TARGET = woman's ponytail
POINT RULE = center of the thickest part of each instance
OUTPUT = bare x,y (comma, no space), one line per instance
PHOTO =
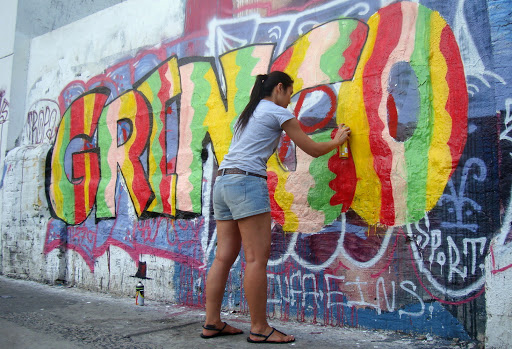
262,88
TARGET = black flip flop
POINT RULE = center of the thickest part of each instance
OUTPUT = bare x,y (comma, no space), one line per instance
219,331
266,341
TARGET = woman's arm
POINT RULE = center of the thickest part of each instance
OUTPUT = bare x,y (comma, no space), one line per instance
304,142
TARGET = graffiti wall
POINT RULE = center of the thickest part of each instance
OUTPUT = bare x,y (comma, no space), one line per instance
391,235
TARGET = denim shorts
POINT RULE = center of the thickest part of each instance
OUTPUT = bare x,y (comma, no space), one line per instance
237,196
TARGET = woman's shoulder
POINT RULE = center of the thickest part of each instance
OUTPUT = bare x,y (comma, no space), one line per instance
269,106
272,113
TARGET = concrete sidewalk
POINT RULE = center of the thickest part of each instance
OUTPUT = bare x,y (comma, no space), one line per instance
34,315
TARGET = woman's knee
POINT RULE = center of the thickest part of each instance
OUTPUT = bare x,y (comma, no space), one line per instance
259,255
226,257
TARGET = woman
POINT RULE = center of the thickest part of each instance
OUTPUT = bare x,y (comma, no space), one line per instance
242,206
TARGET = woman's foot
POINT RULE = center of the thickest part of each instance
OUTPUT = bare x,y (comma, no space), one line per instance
219,329
271,335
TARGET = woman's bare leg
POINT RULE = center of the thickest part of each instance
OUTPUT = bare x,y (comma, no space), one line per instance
228,248
256,239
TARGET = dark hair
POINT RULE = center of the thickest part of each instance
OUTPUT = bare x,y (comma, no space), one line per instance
263,87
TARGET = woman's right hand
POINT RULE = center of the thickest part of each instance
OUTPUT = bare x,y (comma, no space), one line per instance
310,147
342,134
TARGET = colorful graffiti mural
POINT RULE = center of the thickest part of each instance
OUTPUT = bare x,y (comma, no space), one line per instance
420,166
393,236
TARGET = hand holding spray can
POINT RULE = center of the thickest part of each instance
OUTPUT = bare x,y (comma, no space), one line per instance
139,294
343,149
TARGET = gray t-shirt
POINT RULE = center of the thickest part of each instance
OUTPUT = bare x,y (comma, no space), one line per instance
250,150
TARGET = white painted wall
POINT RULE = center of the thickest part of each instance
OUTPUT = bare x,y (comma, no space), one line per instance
25,214
87,46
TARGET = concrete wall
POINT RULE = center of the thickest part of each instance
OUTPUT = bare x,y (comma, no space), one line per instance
8,20
134,107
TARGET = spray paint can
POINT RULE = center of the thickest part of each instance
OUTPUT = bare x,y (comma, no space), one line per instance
343,150
139,294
